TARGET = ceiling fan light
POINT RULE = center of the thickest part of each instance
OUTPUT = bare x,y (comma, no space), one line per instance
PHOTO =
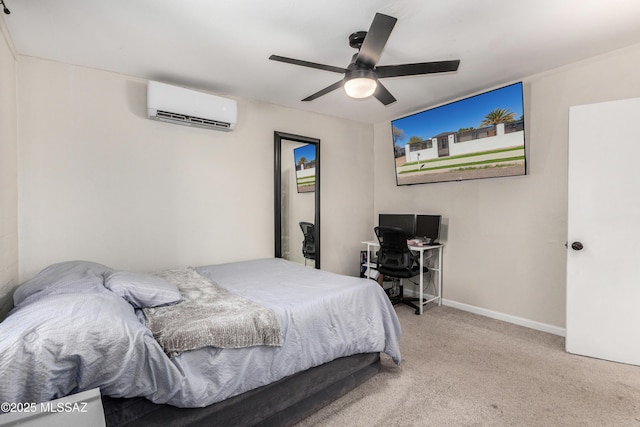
360,84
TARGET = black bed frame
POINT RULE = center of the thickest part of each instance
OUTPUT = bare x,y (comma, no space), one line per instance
282,403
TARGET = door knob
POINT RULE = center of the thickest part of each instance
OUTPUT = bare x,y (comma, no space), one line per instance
577,246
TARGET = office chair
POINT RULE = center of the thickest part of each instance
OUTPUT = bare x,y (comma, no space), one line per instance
308,244
396,260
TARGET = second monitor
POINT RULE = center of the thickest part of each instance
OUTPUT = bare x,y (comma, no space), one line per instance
428,228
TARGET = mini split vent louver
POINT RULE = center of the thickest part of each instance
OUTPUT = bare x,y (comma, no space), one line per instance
181,119
187,107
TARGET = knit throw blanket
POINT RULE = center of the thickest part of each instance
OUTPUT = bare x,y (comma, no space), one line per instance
209,316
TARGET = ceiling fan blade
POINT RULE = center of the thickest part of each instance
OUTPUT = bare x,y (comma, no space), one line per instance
325,91
416,69
307,64
383,95
376,38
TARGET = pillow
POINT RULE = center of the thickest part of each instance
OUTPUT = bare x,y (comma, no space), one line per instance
78,341
64,277
142,290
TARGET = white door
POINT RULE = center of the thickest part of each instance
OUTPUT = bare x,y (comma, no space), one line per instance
603,254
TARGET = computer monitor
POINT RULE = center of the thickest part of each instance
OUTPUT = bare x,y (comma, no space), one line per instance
428,227
405,221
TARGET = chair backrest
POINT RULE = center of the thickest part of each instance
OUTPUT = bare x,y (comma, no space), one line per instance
308,244
394,252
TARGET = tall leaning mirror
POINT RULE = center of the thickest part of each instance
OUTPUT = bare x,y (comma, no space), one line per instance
297,198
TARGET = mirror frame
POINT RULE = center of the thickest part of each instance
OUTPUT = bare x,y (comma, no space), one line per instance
278,137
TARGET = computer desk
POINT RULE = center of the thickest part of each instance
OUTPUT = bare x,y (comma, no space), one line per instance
421,250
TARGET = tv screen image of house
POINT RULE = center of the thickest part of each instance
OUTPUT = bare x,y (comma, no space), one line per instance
477,137
304,158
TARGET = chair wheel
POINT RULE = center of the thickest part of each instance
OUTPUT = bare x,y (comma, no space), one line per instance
417,312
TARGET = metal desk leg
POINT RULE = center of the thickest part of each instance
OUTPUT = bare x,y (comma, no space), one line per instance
420,304
368,261
440,275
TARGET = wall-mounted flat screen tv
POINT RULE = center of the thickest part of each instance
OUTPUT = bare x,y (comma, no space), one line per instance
477,137
304,158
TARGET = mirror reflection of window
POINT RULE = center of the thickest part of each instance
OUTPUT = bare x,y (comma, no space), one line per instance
305,164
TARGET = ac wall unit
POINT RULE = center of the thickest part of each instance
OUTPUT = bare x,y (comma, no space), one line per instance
187,107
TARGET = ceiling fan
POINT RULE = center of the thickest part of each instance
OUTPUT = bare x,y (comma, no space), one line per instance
361,76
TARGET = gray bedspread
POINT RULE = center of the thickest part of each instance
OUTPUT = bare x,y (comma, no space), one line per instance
68,333
209,316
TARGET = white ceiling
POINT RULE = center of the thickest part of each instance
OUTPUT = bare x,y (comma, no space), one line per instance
223,46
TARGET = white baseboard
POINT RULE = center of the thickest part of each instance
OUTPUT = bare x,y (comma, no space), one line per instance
539,326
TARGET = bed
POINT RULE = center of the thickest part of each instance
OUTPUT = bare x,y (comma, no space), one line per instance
313,335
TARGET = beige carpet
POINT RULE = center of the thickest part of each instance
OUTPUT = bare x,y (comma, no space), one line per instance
461,369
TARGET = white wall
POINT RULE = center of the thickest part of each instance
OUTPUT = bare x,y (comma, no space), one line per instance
505,236
99,181
8,174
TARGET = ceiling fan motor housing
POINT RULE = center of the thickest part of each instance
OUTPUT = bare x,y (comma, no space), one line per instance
356,39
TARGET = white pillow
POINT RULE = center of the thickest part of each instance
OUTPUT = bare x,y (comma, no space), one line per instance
142,290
